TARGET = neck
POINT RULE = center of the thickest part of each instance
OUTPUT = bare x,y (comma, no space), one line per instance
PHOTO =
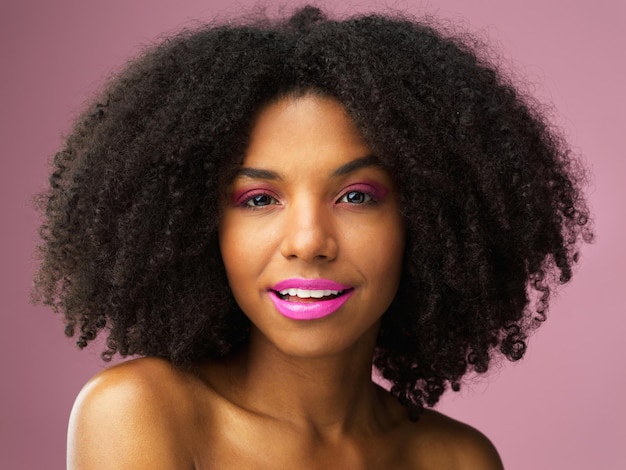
326,394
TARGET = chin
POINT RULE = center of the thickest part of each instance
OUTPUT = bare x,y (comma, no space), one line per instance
309,342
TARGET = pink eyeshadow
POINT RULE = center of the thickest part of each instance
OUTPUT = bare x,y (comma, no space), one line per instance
377,191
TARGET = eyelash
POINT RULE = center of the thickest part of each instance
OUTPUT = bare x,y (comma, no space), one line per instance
369,194
246,199
372,193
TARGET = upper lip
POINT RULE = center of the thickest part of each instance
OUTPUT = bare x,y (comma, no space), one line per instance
309,284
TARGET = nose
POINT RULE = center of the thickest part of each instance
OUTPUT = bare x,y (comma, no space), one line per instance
309,233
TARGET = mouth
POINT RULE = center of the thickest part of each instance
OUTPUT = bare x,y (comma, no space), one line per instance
303,299
304,295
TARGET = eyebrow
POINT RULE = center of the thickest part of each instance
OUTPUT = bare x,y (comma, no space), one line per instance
257,173
354,165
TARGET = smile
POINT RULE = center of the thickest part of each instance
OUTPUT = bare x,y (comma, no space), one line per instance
309,299
308,293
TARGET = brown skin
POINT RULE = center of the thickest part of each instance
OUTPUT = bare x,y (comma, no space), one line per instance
146,414
300,394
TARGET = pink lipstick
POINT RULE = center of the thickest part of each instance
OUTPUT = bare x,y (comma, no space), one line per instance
309,299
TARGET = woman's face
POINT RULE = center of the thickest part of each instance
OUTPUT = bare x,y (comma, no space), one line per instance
311,235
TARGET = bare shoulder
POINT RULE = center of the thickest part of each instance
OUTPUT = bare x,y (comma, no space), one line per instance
444,443
131,415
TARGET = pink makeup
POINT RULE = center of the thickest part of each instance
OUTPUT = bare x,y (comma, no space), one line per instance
377,191
309,299
240,197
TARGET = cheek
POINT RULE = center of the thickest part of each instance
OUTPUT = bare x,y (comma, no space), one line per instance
391,256
231,249
233,257
392,248
380,254
243,254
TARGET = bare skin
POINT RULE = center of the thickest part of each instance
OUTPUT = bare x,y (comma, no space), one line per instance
312,204
146,414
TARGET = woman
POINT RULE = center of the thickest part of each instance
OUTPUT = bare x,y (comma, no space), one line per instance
263,211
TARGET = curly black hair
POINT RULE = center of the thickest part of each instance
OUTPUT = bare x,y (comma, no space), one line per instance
490,192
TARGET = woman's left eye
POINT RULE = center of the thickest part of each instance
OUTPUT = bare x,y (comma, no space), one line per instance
356,197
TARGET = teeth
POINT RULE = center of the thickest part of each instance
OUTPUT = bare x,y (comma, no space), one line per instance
307,293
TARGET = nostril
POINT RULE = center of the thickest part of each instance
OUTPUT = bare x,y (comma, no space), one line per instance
309,247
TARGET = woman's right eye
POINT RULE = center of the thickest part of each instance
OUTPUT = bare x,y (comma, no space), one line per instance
259,200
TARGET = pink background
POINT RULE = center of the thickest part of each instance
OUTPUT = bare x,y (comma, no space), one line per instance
562,407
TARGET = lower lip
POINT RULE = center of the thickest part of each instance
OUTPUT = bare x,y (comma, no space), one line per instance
309,310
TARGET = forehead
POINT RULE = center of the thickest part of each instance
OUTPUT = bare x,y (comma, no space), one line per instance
310,127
